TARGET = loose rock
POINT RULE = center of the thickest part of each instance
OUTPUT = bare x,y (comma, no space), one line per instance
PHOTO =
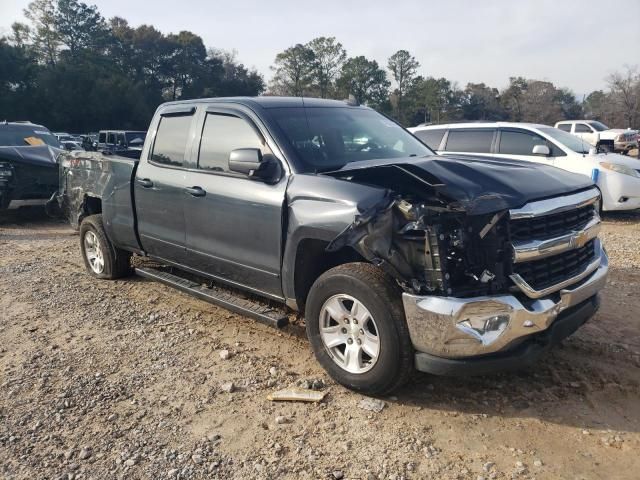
372,404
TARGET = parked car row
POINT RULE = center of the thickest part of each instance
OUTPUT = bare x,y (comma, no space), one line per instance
28,158
617,176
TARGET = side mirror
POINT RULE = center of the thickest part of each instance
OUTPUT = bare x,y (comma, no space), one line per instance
250,162
245,160
541,150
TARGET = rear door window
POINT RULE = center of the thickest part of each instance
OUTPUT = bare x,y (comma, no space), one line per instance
519,142
566,127
431,137
582,128
471,141
102,138
111,138
170,145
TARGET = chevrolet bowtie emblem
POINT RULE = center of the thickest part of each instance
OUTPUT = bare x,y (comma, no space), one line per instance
579,239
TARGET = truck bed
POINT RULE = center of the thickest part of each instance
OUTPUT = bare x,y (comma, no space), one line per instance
92,179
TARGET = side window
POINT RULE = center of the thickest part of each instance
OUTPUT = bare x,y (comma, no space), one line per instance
472,141
102,138
121,140
431,137
111,138
222,134
565,127
170,144
582,128
519,142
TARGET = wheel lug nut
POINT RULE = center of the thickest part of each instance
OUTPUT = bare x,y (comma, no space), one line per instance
346,320
349,341
344,330
355,320
359,342
361,332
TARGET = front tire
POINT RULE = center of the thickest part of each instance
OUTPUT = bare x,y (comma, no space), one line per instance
355,323
101,258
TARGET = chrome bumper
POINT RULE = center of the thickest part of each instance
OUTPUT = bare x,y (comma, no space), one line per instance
465,327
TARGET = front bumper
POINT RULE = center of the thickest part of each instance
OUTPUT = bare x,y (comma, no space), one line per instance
464,330
524,355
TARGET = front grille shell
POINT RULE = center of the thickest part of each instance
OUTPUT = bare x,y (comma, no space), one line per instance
567,229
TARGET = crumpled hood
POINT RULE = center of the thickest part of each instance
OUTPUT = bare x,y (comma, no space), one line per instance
42,155
477,185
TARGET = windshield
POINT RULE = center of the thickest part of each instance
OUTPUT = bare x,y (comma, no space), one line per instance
327,138
135,138
24,135
570,141
600,127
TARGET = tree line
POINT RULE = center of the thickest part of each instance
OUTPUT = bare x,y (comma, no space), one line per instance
70,68
322,68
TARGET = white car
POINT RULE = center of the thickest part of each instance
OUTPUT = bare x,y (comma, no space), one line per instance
599,135
617,176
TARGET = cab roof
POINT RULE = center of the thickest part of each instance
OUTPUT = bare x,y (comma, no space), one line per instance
270,102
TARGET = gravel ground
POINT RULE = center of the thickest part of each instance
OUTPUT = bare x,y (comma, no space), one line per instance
126,379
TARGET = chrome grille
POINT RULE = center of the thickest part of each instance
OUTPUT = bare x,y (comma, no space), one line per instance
553,225
554,242
544,273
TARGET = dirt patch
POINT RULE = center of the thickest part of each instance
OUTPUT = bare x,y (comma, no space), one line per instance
124,379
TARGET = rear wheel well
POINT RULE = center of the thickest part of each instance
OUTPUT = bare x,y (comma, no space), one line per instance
89,206
312,260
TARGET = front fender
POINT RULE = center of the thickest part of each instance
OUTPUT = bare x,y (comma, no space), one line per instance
320,208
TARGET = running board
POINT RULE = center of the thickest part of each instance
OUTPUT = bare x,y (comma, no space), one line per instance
264,314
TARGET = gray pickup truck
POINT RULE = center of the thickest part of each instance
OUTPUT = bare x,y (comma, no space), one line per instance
397,258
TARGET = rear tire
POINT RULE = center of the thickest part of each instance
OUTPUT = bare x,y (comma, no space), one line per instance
354,311
101,258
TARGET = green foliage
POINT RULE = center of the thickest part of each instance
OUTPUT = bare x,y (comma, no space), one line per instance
328,58
70,69
432,100
79,26
293,71
481,102
404,67
366,81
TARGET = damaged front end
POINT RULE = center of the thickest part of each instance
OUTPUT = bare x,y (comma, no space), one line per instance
490,280
28,175
430,244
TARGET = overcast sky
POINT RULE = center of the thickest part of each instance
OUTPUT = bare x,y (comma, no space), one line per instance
574,43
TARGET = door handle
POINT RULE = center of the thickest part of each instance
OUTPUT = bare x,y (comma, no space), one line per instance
144,182
195,191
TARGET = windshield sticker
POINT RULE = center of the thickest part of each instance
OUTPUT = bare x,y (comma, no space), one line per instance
34,141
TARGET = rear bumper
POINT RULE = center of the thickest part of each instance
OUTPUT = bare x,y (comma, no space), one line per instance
449,331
